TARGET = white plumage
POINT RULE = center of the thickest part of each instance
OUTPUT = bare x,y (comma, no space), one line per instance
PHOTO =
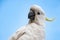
34,30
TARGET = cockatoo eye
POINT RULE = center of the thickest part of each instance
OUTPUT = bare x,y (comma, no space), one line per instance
38,13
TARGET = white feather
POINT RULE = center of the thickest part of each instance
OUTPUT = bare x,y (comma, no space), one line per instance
32,31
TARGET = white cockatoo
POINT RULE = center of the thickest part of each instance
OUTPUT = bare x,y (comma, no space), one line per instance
35,29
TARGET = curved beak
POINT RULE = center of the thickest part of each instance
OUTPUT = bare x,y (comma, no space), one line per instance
31,15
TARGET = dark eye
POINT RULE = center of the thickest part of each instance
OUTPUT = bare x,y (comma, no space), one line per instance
38,13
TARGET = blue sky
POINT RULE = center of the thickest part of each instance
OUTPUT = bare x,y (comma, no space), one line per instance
13,15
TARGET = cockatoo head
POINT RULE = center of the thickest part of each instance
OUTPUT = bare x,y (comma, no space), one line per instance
37,15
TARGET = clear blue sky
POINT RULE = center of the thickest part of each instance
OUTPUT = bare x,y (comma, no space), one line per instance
13,15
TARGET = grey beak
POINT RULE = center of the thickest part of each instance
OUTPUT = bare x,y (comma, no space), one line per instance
31,15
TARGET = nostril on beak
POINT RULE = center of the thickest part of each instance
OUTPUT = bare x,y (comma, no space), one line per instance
31,15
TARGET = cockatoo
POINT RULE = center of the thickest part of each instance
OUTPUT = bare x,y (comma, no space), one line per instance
35,29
